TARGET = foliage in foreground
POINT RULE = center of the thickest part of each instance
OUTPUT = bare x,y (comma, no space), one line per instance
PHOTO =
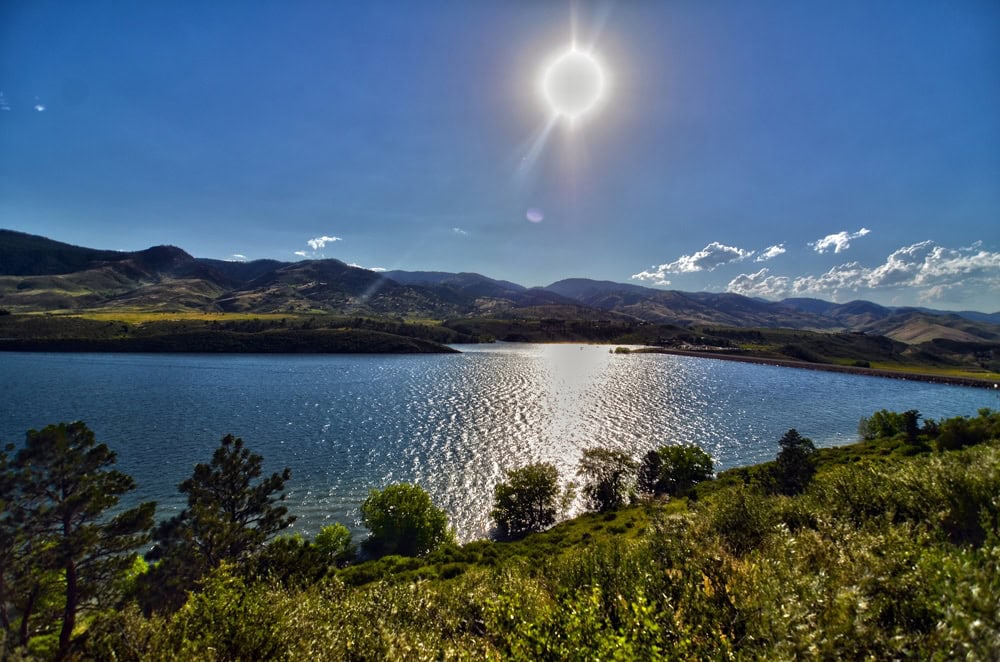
529,500
403,520
891,557
60,549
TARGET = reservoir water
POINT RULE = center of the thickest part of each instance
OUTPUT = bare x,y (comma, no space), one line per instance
451,423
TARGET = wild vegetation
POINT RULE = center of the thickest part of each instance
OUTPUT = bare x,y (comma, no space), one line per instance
887,548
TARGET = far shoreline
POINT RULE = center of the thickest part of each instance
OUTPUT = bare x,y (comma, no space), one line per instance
827,367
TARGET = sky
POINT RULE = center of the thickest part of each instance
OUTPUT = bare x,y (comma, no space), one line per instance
846,150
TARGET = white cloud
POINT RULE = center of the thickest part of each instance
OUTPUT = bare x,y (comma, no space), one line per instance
771,252
459,231
707,259
236,257
932,270
760,284
375,269
850,277
839,242
302,253
317,243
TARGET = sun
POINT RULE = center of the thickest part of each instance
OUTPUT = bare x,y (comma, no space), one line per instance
573,83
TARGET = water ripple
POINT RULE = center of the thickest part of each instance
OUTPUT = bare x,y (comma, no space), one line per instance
452,423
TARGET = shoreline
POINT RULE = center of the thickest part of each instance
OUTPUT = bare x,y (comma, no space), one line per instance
828,367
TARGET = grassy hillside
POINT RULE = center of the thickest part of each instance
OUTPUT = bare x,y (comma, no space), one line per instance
891,552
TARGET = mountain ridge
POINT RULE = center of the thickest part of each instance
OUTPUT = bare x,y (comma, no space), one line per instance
60,276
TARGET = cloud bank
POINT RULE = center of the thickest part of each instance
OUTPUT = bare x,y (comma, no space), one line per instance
934,270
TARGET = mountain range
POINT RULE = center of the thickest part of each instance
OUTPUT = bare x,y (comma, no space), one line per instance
40,274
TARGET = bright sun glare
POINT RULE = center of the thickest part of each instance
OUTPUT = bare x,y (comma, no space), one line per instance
573,83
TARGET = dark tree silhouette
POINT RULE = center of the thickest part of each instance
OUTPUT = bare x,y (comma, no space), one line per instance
61,488
528,501
795,464
228,517
609,478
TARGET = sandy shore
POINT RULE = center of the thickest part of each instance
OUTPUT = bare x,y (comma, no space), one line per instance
826,367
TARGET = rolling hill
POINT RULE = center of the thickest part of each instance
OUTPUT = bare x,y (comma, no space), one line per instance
38,274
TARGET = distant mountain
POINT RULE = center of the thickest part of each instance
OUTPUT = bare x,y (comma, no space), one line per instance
684,308
243,272
470,284
24,254
39,274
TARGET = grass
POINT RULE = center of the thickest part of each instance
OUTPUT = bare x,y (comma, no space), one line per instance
142,317
943,372
888,554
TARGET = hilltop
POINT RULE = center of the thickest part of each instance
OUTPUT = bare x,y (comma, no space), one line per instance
185,295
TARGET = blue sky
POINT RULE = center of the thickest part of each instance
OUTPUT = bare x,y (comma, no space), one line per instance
839,150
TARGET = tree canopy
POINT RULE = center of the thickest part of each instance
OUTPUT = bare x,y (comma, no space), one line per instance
528,500
403,520
228,517
674,469
796,463
57,534
609,478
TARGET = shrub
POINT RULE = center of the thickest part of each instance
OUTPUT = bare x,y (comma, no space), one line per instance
403,520
608,478
683,467
334,544
529,500
796,463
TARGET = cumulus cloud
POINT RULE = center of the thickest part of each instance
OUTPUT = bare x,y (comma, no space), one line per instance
358,266
236,257
934,271
760,284
317,243
460,231
302,253
707,259
839,242
770,253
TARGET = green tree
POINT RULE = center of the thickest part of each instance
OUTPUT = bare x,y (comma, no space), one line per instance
403,520
683,467
881,424
228,517
63,485
334,544
609,478
529,500
796,463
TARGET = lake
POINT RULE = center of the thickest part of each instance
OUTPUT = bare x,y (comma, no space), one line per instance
452,423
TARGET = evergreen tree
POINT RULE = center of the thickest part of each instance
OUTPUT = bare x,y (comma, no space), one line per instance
796,463
649,472
228,517
58,532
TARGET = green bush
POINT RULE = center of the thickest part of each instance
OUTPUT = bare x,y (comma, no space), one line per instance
674,469
609,478
528,500
403,520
